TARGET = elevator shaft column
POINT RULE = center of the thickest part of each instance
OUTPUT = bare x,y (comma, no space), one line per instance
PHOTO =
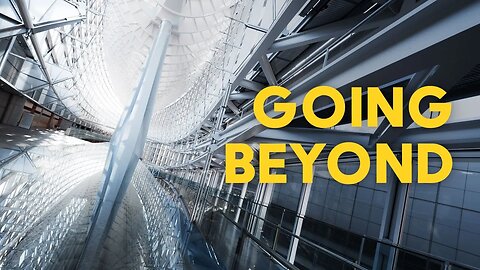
126,148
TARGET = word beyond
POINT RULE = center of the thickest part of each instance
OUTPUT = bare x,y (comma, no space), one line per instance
238,168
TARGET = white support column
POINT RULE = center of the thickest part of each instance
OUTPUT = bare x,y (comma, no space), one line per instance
240,202
203,176
163,160
180,158
171,157
392,221
161,154
126,148
168,158
184,159
227,199
212,180
219,188
255,207
156,153
297,228
262,209
175,158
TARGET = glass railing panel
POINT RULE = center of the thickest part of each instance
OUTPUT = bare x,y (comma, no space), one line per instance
321,245
282,243
254,257
411,261
310,258
223,236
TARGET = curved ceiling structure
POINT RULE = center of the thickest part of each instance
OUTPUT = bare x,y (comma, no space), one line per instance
209,43
81,31
130,27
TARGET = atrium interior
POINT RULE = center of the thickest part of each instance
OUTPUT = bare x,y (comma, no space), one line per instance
114,117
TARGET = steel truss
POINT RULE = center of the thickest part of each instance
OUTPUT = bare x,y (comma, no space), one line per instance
397,43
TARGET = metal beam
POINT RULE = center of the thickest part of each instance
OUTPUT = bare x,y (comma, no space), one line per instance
233,107
385,132
311,136
292,8
289,10
11,42
453,135
55,24
268,71
243,96
251,85
300,215
27,20
389,54
41,27
323,33
442,75
12,31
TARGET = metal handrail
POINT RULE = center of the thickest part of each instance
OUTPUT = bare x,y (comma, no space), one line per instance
378,241
322,249
262,245
328,252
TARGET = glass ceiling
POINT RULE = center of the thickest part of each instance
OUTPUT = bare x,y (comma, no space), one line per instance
83,59
130,27
92,66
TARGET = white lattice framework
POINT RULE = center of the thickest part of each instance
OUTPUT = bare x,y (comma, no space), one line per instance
75,61
35,181
185,116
